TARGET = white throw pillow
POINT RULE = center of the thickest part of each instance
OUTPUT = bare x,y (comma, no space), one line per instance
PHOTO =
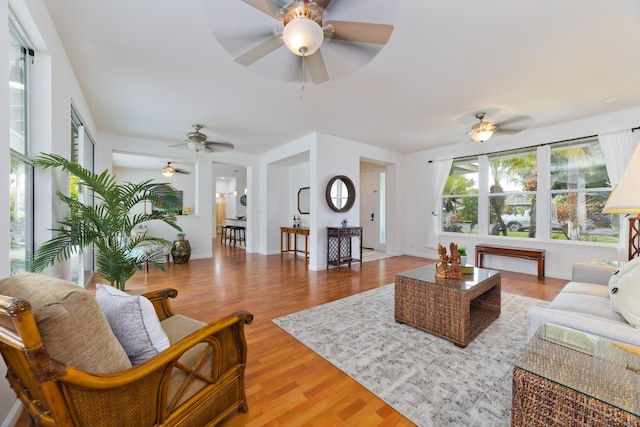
624,291
133,321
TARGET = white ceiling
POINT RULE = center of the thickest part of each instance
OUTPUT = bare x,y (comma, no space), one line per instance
151,68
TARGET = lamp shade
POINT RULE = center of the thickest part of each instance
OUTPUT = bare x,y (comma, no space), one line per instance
303,36
625,197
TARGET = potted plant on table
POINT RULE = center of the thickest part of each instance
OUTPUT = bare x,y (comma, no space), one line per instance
463,255
108,224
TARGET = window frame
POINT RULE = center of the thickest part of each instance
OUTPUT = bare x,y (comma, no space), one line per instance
23,157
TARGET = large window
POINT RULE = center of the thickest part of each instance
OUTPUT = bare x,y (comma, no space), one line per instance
567,204
579,190
513,184
21,169
460,197
82,152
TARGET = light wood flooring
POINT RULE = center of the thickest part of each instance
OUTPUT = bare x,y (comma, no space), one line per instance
286,383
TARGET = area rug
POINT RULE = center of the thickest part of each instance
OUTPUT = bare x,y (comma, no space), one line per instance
426,378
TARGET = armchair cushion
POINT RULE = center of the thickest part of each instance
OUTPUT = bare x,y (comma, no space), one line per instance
134,322
70,321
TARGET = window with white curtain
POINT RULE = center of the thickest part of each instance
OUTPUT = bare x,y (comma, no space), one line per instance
576,190
580,187
21,168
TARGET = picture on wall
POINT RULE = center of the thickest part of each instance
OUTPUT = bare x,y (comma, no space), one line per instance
155,209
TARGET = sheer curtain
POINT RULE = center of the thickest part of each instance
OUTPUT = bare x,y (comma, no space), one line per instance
617,149
440,172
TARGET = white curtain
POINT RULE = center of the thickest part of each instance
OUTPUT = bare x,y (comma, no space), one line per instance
617,149
439,172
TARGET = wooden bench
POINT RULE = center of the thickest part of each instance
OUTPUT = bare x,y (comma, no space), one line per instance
525,253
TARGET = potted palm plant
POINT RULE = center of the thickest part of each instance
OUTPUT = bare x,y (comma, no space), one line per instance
108,224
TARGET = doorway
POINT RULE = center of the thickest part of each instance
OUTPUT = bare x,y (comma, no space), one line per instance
372,206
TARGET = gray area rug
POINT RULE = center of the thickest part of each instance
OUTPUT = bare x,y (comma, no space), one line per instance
424,377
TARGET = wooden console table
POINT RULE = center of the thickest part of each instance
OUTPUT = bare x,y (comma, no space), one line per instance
525,253
286,247
339,245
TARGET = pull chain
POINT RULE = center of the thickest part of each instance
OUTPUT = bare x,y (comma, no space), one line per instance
303,50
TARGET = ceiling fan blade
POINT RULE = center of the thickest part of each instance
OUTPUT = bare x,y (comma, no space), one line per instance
508,131
186,172
516,119
267,6
317,69
259,51
361,31
207,149
218,146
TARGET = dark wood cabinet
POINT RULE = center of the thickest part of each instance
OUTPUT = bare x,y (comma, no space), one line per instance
340,246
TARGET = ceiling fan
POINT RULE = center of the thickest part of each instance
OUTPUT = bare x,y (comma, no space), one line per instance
169,170
483,130
303,27
197,141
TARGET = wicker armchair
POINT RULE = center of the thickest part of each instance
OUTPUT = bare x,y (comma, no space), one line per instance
84,381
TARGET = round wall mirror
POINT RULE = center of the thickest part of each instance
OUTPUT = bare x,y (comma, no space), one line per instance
341,193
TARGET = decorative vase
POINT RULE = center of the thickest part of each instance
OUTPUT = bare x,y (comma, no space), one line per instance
344,225
181,251
463,260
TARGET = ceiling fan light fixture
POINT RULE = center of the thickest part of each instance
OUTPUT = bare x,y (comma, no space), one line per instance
302,32
482,131
168,171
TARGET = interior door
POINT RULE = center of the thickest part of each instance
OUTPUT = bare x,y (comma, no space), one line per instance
370,209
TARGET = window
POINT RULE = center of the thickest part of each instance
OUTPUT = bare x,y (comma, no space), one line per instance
513,183
579,190
82,152
514,202
21,169
460,197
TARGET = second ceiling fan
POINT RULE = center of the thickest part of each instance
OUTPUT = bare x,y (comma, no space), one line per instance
483,130
197,141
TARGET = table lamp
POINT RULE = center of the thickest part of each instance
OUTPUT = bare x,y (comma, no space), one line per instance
625,199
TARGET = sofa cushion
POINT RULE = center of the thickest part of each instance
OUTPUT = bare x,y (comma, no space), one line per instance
586,304
624,292
619,273
72,326
134,322
584,288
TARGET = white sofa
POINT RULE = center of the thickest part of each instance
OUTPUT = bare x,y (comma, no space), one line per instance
584,304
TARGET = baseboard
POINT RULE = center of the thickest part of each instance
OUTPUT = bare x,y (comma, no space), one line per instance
14,415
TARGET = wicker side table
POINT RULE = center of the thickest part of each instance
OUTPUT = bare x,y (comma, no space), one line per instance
566,377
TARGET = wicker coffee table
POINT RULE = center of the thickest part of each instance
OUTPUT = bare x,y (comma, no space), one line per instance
455,309
566,377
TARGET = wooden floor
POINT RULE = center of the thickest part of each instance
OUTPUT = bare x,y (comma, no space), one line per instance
287,384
